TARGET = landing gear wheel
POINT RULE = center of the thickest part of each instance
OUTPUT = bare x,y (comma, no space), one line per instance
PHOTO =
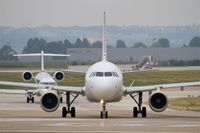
104,114
135,112
73,112
64,112
61,100
27,99
144,112
68,109
139,110
32,99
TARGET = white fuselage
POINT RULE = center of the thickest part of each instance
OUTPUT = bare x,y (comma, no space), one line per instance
43,78
104,81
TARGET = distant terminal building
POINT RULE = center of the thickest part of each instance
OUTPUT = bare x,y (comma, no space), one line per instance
128,54
134,54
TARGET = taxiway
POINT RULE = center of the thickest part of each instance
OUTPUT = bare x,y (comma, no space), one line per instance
18,116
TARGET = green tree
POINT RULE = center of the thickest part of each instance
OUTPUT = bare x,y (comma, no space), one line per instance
35,45
120,44
78,43
7,52
161,43
139,45
195,42
68,44
97,44
85,43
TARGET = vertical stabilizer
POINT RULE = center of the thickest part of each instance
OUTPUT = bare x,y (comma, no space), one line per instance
42,60
104,47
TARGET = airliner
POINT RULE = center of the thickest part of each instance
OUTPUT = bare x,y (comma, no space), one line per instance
40,78
104,84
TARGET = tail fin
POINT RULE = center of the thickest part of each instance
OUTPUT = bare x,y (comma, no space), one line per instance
104,47
42,54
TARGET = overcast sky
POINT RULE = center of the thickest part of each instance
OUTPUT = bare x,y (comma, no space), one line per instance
90,12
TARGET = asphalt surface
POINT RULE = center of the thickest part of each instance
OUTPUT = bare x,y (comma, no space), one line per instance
18,116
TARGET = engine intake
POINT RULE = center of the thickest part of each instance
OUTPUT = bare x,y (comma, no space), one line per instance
49,101
27,76
158,102
59,76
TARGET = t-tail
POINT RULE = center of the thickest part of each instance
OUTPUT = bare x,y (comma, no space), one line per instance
42,54
104,47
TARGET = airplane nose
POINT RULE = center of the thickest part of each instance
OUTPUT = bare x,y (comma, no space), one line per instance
104,90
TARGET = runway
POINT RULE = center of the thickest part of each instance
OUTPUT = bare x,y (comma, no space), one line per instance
18,116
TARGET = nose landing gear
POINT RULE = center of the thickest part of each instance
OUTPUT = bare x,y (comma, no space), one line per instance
30,97
104,113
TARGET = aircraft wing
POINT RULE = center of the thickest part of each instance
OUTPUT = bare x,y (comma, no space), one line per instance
13,91
135,89
73,89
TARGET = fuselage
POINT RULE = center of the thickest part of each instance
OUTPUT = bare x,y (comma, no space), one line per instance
104,81
43,78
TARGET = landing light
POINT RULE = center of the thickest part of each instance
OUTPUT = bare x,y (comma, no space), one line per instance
102,101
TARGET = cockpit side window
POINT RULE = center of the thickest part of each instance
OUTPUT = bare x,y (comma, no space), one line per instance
108,74
115,74
92,74
99,74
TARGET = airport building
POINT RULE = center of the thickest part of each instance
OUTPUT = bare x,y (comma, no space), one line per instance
134,54
128,54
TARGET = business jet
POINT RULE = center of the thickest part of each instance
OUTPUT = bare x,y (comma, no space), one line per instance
40,78
103,84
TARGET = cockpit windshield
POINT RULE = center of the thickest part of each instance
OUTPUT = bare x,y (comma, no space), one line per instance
108,74
104,74
99,74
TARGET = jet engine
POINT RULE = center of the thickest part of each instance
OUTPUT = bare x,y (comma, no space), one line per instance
59,76
158,101
27,76
49,101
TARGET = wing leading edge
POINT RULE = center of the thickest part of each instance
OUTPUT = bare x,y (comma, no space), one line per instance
73,89
135,89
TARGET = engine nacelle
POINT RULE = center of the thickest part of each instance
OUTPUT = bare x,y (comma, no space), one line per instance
27,76
158,101
49,101
59,76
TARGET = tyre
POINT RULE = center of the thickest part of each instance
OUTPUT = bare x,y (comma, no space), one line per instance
144,112
106,114
64,110
101,114
61,100
32,99
135,112
27,99
73,112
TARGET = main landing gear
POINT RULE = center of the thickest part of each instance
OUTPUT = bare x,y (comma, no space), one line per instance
69,109
139,110
104,113
30,97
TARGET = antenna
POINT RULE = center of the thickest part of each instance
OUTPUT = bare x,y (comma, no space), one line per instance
104,48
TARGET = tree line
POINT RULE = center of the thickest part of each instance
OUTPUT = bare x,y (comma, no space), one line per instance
37,44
